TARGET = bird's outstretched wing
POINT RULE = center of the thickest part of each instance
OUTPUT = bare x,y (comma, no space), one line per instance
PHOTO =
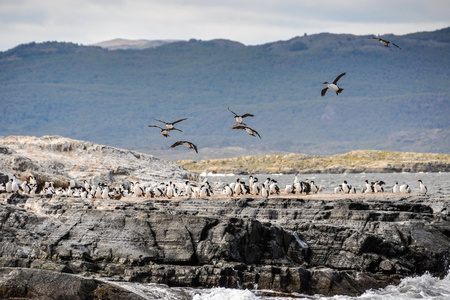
324,91
247,115
256,133
155,126
194,146
339,77
239,127
232,112
160,121
176,144
396,46
178,121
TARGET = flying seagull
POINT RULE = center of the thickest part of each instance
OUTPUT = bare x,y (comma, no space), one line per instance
170,125
165,131
185,143
249,130
333,86
384,42
239,118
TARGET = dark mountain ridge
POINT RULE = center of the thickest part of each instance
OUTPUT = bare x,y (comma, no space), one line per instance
393,99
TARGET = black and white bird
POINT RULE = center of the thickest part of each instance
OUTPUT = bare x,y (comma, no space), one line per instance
346,187
170,125
240,117
165,131
384,42
333,86
422,187
405,189
249,130
185,143
396,188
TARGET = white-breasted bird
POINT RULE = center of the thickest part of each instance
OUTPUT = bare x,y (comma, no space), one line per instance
239,118
333,86
384,42
422,187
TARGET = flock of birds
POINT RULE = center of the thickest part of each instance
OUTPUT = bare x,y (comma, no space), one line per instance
169,190
239,118
103,190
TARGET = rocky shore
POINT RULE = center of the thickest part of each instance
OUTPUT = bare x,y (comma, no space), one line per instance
304,244
316,244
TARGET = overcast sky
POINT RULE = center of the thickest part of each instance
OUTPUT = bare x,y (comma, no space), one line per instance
247,21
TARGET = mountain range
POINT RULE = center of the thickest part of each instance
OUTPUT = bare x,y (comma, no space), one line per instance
393,99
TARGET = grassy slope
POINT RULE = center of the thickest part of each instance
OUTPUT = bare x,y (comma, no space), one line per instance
360,160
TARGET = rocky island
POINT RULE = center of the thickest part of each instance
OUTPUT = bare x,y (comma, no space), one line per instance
306,244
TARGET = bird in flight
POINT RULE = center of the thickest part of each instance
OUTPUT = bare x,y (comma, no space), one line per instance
170,125
240,117
249,130
165,131
384,42
333,86
185,143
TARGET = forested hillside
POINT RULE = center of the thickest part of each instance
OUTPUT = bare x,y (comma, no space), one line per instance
393,99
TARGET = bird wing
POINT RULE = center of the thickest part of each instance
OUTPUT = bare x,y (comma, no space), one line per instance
247,115
232,111
324,91
256,132
173,128
176,144
193,146
239,127
339,77
155,126
160,121
396,45
178,121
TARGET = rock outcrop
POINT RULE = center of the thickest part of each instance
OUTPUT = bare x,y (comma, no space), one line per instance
59,159
310,244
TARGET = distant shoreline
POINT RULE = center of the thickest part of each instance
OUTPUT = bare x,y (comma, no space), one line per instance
360,161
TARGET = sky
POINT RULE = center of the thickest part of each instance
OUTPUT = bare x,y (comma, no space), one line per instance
251,22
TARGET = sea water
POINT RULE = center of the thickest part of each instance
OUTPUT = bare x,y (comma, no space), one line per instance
424,287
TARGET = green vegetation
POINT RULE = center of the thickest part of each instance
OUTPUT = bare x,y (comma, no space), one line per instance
354,161
393,99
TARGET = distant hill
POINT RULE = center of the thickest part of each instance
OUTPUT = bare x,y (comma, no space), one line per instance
124,44
397,100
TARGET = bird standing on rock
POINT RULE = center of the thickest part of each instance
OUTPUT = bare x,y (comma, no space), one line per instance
422,188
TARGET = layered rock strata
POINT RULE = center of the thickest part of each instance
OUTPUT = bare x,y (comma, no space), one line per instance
310,244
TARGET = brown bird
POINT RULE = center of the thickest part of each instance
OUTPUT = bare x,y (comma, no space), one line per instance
249,130
239,118
333,86
170,125
164,131
384,42
185,143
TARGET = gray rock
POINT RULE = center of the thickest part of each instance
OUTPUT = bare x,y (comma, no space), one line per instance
325,246
19,283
